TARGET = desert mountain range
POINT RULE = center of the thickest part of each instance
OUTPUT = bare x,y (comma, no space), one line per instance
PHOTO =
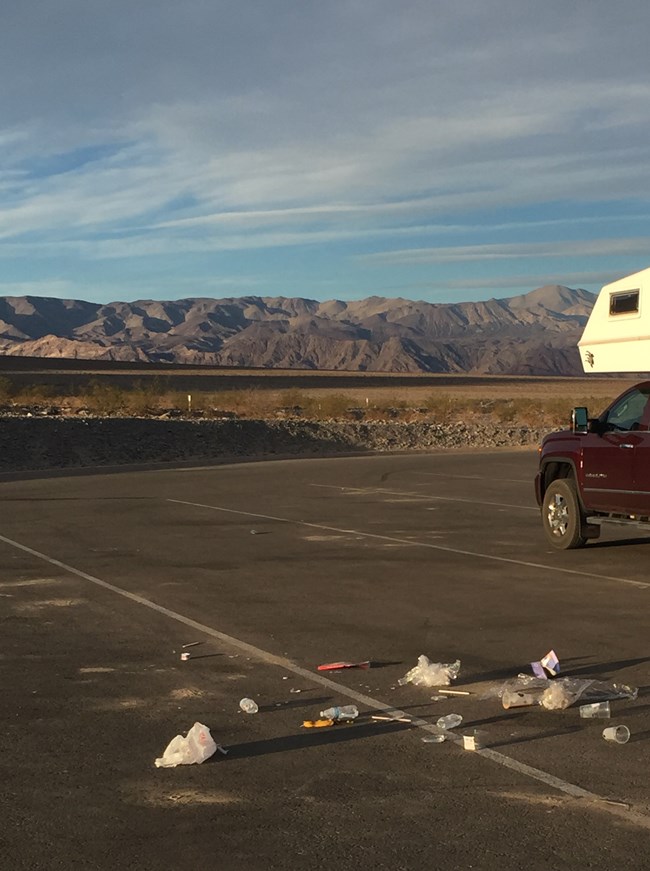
532,334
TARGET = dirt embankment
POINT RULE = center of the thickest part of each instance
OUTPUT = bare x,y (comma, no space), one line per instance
28,444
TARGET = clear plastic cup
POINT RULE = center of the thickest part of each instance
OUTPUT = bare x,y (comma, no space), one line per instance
617,734
597,710
450,721
249,706
435,738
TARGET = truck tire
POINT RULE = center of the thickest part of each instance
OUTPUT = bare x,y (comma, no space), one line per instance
562,517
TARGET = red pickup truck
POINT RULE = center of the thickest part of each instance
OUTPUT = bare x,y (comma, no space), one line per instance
599,469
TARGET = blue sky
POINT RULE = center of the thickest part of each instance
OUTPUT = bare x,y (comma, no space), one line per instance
338,149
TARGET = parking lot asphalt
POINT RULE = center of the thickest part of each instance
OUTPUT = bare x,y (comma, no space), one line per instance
274,568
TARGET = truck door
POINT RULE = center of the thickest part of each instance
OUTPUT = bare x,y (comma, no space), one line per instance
609,456
642,466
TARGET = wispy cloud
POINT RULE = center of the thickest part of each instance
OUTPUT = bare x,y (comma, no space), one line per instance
143,131
514,251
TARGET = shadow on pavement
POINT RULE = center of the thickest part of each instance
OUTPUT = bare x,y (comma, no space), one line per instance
294,703
312,738
554,733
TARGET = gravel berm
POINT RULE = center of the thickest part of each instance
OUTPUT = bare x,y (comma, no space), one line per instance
36,444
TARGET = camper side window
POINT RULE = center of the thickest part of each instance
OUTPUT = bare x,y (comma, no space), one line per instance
624,303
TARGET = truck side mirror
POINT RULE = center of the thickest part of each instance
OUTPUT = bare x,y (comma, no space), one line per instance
580,420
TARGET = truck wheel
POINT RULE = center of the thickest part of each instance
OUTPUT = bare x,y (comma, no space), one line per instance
562,517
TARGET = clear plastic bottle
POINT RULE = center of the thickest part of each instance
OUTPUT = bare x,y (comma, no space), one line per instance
344,712
450,721
248,706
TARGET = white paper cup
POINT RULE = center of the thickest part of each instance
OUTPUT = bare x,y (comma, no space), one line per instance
617,734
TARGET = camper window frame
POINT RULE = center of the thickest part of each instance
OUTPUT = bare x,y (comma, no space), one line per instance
619,294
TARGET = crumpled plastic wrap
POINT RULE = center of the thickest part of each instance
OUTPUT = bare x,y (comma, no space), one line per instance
431,674
561,693
566,691
197,746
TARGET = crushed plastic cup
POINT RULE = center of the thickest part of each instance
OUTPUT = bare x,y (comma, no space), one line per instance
450,721
518,699
248,706
434,738
617,734
597,710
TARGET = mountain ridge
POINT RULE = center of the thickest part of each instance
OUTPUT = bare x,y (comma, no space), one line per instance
534,333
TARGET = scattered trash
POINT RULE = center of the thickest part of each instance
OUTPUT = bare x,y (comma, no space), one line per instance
191,644
286,677
253,532
185,657
523,690
438,698
292,690
474,740
343,712
197,746
392,719
222,750
555,695
455,693
430,674
248,706
617,734
449,722
595,710
566,691
317,724
549,663
335,666
615,801
434,738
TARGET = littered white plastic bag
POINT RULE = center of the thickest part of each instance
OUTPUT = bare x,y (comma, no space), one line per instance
197,746
431,674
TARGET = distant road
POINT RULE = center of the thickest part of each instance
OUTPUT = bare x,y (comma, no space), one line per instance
58,372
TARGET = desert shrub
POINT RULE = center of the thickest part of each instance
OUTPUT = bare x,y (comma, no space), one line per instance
440,406
334,405
104,398
5,390
35,394
292,398
505,410
142,399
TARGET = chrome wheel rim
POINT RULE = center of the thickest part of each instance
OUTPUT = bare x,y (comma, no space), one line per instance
557,515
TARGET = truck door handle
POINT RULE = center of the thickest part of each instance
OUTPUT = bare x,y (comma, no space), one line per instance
626,445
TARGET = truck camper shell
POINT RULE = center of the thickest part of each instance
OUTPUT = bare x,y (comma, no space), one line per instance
616,337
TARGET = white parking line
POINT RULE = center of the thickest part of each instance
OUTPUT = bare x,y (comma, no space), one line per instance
474,477
259,653
424,496
407,541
